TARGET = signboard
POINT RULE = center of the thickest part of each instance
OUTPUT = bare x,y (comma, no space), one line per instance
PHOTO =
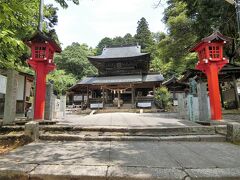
3,84
96,105
144,104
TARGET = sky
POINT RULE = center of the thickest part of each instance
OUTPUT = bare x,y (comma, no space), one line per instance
92,20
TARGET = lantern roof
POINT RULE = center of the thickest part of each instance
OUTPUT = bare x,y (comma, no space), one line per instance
214,37
40,37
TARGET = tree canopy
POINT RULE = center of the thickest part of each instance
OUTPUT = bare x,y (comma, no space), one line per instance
143,35
19,20
188,21
73,59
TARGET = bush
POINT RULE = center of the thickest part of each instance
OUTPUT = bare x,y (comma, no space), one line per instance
162,94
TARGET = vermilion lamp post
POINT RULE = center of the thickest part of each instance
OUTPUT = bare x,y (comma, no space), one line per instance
211,61
41,60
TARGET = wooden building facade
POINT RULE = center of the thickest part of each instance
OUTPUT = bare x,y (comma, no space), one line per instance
123,79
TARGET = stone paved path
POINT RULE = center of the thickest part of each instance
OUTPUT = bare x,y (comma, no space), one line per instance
127,120
174,160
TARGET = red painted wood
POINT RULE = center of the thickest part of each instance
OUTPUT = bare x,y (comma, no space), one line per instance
41,61
211,64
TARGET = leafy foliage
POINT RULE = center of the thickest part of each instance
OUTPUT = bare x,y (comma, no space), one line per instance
61,80
19,20
128,39
188,21
143,35
16,22
73,59
64,3
171,54
162,94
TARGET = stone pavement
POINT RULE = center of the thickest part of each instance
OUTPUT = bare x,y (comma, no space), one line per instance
127,120
122,160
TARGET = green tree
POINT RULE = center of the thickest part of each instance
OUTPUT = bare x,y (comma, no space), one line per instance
143,35
129,39
105,42
162,95
18,20
171,54
118,41
61,80
73,59
64,3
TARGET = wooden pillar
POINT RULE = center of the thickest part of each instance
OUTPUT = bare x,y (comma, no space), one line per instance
82,100
118,98
154,90
87,96
106,96
235,90
133,97
103,93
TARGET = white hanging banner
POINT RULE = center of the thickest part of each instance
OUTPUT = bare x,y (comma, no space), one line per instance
3,84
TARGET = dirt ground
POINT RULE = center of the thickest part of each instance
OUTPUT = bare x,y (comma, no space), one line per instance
10,144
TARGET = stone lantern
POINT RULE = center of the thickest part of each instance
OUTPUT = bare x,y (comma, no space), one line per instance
41,60
211,61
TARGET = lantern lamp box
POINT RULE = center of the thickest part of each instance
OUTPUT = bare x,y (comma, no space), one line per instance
210,62
41,60
42,47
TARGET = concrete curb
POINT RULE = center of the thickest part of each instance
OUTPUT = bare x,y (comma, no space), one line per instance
104,172
193,138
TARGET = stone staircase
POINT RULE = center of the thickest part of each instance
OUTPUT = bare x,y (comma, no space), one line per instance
75,133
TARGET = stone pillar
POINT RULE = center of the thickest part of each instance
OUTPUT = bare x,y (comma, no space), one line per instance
181,106
63,105
87,96
82,104
10,97
193,108
103,93
119,99
204,113
233,132
48,113
32,130
133,97
54,106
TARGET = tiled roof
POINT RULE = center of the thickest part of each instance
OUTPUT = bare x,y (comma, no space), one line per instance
122,79
119,52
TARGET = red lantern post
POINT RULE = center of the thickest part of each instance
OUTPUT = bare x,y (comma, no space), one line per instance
41,60
211,61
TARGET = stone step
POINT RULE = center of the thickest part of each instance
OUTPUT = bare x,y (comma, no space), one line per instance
139,131
103,172
72,137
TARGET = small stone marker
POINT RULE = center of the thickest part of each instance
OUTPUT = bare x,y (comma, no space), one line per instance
233,132
10,97
204,114
48,114
63,105
181,106
193,109
32,130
